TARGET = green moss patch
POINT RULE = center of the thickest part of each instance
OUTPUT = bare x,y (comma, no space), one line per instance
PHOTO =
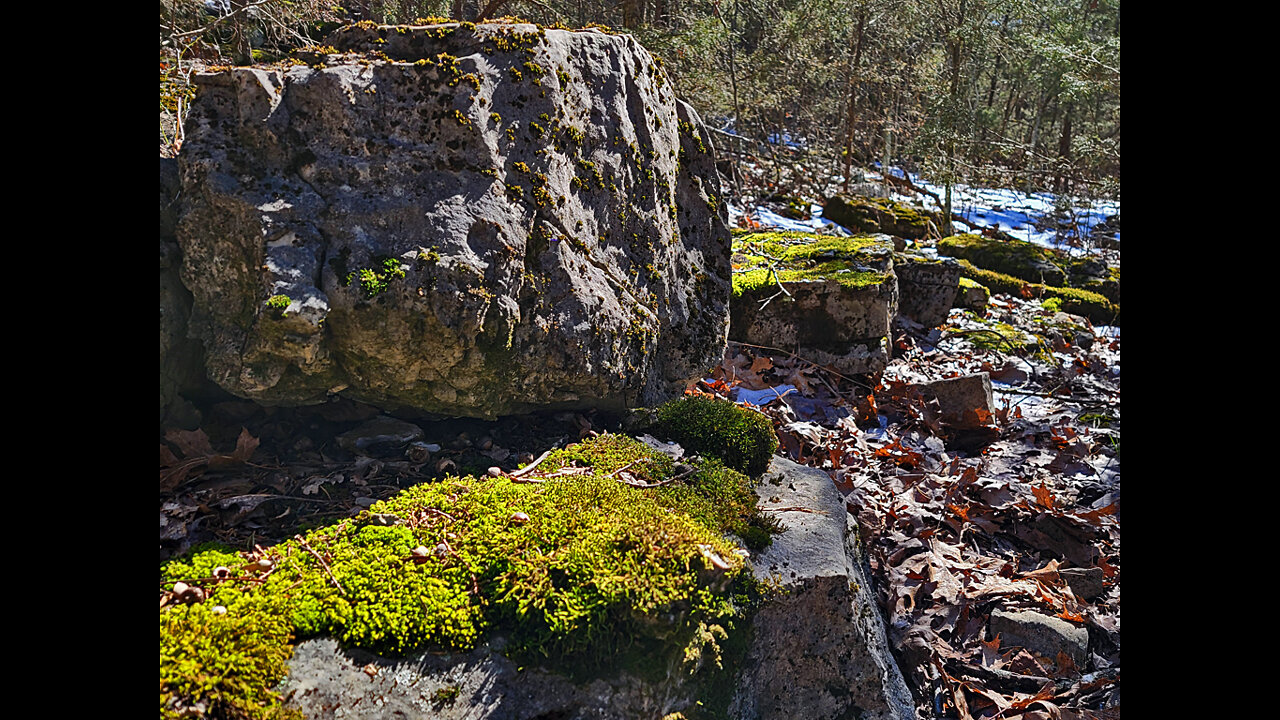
1088,304
1021,259
855,263
1035,264
743,439
578,565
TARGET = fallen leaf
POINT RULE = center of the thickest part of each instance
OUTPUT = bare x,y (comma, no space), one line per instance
1044,497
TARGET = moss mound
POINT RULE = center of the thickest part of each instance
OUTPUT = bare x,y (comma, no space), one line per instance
744,440
1040,266
578,565
1021,259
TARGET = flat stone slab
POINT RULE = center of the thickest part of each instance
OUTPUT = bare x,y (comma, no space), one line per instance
1040,634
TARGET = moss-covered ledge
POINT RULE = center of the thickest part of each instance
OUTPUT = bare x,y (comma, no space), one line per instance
872,215
1035,264
609,544
1091,305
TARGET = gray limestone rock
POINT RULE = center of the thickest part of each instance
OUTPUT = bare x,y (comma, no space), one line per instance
962,400
1085,583
380,434
1041,634
326,681
926,287
461,220
825,318
819,650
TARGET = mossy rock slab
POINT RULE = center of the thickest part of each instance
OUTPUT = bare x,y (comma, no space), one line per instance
835,663
843,296
872,215
1021,259
1097,308
612,551
1036,264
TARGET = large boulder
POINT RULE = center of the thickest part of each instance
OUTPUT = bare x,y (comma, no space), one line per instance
462,219
832,300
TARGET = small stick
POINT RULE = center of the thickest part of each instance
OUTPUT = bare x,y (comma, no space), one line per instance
323,564
529,468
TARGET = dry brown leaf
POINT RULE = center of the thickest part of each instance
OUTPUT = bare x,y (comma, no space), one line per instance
1044,496
192,443
991,653
1095,516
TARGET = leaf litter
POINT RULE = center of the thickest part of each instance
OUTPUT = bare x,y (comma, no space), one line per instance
1024,520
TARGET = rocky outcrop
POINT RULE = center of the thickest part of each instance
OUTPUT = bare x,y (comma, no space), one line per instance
466,220
836,301
879,215
834,664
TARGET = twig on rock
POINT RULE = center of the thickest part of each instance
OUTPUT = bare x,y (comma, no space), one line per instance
323,564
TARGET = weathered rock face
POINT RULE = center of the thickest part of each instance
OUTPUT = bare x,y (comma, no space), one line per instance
926,287
843,298
481,220
820,651
181,359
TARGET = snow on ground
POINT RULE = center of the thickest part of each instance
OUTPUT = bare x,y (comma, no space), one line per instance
1014,212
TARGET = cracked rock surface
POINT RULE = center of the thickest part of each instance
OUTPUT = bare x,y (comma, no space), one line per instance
473,221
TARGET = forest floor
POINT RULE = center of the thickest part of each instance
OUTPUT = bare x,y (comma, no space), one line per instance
992,560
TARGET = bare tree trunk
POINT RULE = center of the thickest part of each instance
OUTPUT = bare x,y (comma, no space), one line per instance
854,83
240,34
1062,182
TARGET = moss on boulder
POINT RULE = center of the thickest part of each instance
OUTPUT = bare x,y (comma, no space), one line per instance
1091,305
1021,259
841,296
743,439
879,215
1035,264
576,565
